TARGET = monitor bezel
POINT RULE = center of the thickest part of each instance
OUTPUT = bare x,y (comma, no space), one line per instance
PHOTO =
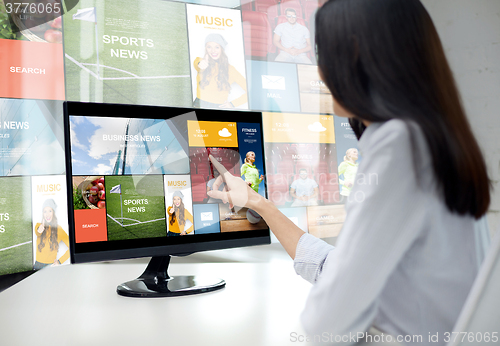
115,250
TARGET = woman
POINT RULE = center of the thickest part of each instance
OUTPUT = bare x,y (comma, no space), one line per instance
250,171
408,252
348,169
178,217
216,75
48,236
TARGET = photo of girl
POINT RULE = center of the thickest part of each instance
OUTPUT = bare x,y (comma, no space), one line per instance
250,171
180,220
49,234
348,169
215,76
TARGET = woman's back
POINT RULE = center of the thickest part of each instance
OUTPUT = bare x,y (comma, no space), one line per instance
403,261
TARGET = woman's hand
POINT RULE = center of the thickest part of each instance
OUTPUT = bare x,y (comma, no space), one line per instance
56,263
261,177
183,233
203,64
41,228
171,211
236,192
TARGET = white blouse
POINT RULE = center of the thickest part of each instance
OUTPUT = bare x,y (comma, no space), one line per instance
403,262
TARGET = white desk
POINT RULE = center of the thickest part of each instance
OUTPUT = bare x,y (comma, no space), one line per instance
78,305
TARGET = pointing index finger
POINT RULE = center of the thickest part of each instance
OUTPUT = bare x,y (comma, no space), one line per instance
222,170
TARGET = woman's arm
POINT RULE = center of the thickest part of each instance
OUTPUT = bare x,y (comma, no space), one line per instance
240,194
236,77
189,217
39,229
243,169
63,237
195,64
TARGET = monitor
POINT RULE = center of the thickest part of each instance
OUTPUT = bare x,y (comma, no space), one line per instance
138,178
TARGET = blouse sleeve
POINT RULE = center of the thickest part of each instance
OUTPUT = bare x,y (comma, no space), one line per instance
36,230
63,236
236,77
243,169
195,64
381,224
189,217
342,168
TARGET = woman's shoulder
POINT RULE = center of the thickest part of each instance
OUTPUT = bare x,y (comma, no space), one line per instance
392,133
399,139
394,130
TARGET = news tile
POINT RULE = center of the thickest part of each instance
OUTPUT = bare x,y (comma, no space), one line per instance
212,134
217,58
16,234
132,55
348,156
297,128
179,205
239,219
50,214
135,206
90,225
105,146
315,97
206,218
31,137
32,70
326,221
250,142
273,86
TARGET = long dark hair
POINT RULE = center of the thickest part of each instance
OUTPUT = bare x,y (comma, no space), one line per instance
384,60
222,66
52,227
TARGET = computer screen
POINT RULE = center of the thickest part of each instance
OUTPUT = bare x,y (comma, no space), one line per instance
139,178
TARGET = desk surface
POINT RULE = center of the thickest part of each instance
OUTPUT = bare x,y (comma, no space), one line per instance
78,305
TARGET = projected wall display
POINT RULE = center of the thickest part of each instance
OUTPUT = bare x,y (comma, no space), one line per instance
33,215
193,53
217,57
131,52
302,170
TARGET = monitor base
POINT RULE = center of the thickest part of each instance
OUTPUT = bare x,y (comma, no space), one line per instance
155,282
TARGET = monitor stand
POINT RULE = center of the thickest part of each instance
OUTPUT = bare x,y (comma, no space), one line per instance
155,282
